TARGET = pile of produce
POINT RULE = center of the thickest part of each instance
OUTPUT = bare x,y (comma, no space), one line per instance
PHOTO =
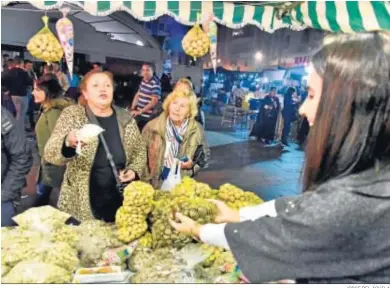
131,217
33,272
17,245
198,209
44,45
164,265
142,239
162,204
236,198
59,254
95,237
41,239
196,43
164,271
189,188
215,253
66,234
142,256
189,198
146,241
44,219
194,263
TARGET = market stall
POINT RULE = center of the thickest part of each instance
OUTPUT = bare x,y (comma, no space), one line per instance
141,247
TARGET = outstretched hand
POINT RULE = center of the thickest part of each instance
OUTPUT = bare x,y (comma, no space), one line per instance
185,225
225,214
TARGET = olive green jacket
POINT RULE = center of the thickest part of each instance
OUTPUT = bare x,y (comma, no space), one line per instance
154,135
50,175
75,189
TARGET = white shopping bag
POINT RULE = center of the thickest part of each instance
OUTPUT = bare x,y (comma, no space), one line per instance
88,133
173,178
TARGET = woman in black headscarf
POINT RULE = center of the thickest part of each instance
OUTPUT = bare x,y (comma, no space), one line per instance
264,128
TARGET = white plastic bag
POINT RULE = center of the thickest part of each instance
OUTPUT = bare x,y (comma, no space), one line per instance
173,178
33,272
43,219
87,134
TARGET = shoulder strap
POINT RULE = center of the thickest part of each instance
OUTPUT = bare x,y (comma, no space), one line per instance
92,118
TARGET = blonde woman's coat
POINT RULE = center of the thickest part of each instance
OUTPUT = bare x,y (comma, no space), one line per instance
154,135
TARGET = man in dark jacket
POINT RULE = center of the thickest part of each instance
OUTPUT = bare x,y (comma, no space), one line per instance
18,82
16,161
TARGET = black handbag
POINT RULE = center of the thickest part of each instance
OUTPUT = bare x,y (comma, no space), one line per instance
198,159
119,185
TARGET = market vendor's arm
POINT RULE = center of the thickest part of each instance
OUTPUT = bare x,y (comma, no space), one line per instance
268,208
213,234
56,151
313,237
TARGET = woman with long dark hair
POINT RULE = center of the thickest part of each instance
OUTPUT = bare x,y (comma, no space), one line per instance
338,230
49,94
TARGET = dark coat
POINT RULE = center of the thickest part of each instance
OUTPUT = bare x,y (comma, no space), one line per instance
339,233
51,175
16,157
267,118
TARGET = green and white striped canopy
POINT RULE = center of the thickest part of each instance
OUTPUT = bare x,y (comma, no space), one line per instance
335,16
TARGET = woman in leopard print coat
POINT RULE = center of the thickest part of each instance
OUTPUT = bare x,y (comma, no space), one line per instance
88,190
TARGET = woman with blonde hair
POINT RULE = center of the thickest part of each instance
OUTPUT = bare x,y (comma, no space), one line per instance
91,186
186,84
175,135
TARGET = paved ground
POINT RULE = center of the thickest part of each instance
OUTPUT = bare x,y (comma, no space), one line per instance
269,171
265,171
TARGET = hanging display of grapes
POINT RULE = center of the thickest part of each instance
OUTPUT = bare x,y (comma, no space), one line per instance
196,42
44,44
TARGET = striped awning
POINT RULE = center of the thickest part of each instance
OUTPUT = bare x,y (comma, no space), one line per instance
335,16
343,16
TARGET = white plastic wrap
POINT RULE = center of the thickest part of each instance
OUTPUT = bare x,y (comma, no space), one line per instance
87,134
33,272
43,219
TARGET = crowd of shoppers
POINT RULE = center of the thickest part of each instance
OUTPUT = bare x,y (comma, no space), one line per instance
86,185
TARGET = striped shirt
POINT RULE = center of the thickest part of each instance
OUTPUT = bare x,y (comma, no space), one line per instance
146,90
